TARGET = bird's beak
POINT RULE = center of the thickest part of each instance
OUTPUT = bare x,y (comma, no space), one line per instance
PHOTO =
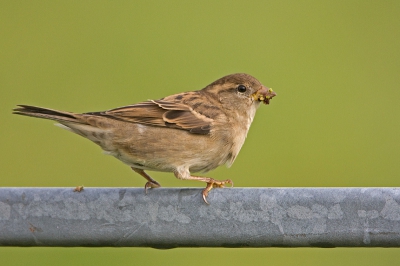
264,95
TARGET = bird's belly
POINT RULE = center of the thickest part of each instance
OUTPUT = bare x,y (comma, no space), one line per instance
153,148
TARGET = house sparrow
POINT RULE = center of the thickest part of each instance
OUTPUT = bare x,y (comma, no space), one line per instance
193,131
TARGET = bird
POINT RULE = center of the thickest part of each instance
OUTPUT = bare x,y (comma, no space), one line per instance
184,133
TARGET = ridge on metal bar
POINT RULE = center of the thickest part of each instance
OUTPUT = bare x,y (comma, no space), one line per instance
178,217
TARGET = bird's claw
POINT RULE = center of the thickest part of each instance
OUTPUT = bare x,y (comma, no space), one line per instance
151,185
214,184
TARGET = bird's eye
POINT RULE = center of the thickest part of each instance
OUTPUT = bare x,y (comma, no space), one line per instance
241,88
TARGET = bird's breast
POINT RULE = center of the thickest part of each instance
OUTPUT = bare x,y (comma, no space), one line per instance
240,125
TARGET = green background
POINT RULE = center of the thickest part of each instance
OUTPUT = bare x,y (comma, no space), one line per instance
335,66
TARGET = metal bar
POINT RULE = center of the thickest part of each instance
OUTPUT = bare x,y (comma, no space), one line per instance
172,217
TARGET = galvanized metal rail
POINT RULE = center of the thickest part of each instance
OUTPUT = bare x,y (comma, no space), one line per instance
178,217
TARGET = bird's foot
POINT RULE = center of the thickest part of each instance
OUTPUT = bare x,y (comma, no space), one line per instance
212,183
151,184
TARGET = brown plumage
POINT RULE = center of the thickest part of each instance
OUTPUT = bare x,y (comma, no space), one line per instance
194,131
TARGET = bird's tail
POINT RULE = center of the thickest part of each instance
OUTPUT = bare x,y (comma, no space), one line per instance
81,124
46,113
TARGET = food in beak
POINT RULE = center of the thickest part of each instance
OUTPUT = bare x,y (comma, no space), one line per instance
264,95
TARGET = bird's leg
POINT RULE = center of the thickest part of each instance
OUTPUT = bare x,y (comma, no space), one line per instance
211,182
151,183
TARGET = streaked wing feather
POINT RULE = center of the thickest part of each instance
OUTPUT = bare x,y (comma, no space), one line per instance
163,113
188,120
145,113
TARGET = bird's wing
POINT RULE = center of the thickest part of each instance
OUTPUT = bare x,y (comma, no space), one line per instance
162,113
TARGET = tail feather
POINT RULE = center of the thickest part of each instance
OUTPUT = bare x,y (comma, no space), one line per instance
46,113
92,127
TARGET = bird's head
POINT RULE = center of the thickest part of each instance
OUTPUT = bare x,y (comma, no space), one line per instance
240,90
